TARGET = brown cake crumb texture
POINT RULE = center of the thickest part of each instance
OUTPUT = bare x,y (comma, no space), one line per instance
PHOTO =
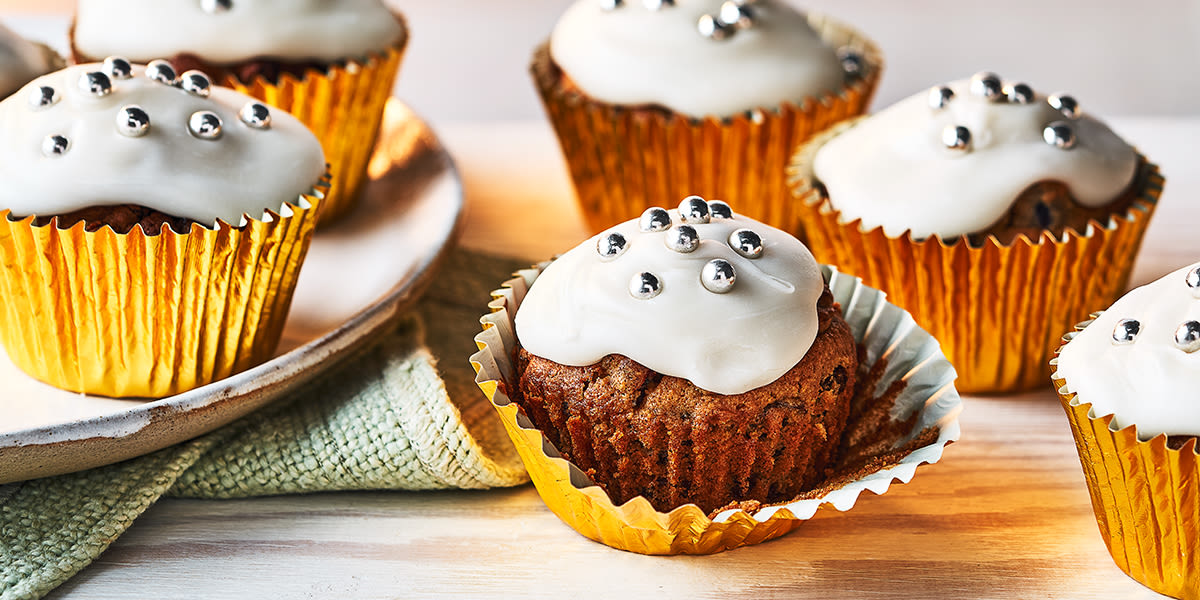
638,433
122,218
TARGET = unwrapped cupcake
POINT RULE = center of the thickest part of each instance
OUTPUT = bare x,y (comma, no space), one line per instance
660,99
993,213
151,227
21,60
331,64
1128,382
697,362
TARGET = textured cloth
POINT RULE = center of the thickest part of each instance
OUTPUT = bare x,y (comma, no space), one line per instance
383,419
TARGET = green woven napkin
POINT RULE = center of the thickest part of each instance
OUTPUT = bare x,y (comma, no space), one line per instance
383,419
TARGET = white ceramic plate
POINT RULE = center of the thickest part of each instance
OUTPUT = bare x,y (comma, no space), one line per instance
359,274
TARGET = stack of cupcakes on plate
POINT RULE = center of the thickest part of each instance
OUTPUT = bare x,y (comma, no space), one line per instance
655,99
151,227
994,213
331,64
701,383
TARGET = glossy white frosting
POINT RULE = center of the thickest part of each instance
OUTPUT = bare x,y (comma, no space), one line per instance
296,30
893,170
632,55
580,309
21,60
246,170
1150,382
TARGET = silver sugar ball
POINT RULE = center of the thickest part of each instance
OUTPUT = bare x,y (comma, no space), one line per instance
645,285
1193,280
162,72
1064,104
746,243
611,246
718,276
1019,93
940,96
1126,331
657,4
655,219
611,4
55,145
683,239
852,61
712,28
213,7
256,115
987,85
95,83
957,137
694,209
1060,135
133,121
118,68
195,83
720,210
43,97
734,14
205,125
1187,337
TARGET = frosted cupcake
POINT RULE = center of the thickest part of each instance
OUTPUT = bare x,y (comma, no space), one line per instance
981,206
21,60
1127,381
696,368
660,99
331,64
152,229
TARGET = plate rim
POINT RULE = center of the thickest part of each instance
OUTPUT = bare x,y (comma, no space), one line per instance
295,367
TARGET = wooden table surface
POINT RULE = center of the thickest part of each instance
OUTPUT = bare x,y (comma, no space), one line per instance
1004,515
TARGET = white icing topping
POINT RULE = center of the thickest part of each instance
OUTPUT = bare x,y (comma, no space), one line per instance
633,55
75,152
896,170
584,306
1151,381
296,30
21,60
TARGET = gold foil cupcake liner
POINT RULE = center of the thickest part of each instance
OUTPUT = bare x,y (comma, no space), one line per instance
882,329
1146,496
998,309
148,315
343,106
624,160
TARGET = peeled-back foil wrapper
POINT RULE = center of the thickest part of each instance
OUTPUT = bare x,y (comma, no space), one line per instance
883,331
998,309
624,160
149,315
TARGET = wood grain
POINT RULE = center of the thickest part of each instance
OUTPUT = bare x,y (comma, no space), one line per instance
1004,515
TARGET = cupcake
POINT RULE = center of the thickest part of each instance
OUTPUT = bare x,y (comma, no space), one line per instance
696,362
661,99
981,206
21,60
331,64
1127,381
152,229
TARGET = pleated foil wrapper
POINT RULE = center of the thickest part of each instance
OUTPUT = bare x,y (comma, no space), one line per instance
884,330
998,309
624,159
1146,496
343,106
148,315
